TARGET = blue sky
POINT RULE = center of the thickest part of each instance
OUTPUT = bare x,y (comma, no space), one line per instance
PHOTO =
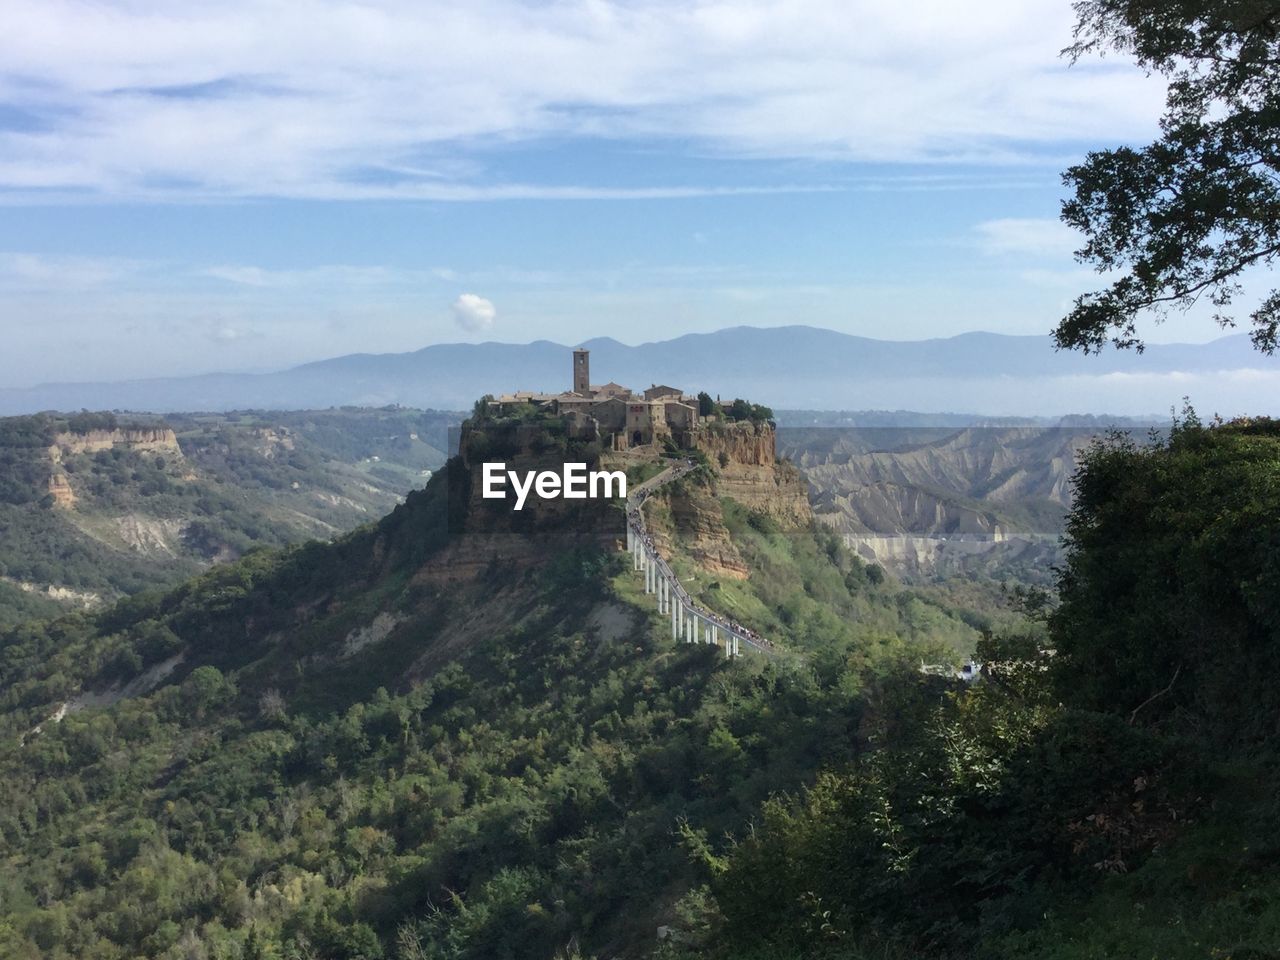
234,186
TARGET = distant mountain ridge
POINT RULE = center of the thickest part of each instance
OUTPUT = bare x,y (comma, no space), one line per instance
793,366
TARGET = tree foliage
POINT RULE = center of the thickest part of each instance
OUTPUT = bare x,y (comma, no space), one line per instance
1170,600
1187,217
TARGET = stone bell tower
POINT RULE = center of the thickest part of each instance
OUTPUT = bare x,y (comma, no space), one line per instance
582,372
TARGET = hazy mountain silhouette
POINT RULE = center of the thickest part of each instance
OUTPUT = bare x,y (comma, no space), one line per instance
795,366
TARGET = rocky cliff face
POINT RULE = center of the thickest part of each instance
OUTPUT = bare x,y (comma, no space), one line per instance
143,439
744,468
687,515
159,439
484,533
982,480
743,443
934,501
744,459
695,520
60,490
962,555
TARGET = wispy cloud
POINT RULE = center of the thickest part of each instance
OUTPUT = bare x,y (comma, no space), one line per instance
319,276
42,271
1032,237
406,99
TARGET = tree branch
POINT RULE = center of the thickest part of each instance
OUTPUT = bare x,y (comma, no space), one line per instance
1155,696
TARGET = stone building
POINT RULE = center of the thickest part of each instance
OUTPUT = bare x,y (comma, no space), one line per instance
613,413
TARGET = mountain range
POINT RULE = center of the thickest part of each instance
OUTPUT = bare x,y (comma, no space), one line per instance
792,366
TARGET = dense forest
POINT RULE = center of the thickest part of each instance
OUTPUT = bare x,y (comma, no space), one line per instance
338,755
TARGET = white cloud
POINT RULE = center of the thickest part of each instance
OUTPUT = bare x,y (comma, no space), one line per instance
1033,237
474,313
389,98
246,276
39,271
318,276
225,333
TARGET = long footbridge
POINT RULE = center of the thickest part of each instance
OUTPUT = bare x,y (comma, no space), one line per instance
690,622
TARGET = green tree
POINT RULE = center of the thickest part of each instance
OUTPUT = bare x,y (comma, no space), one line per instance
205,689
1188,216
1169,599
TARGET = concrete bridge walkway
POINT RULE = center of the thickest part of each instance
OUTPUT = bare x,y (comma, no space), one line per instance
689,621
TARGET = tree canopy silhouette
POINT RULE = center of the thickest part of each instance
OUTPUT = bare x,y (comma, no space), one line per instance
1187,217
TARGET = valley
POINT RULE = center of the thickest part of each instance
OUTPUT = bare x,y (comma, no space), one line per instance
96,506
464,731
626,480
953,500
549,730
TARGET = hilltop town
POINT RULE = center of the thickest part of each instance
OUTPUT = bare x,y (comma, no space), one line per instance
623,418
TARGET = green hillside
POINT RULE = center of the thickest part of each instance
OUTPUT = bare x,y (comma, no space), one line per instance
515,764
407,743
130,515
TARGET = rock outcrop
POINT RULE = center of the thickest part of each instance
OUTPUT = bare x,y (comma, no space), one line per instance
146,439
697,521
743,457
60,490
744,468
484,533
